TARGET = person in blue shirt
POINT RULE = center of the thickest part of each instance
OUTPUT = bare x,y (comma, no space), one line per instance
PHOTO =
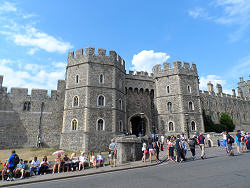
112,149
12,163
201,139
20,168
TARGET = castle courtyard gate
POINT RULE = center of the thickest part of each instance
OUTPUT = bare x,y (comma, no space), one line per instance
138,125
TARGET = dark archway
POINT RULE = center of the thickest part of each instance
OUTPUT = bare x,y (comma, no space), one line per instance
138,125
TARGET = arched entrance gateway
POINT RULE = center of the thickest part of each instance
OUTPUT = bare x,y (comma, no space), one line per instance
138,125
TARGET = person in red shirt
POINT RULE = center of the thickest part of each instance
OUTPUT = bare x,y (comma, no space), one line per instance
5,169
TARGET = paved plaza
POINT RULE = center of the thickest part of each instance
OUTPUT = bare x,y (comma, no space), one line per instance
217,170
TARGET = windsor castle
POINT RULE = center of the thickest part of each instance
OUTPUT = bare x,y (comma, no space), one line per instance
98,100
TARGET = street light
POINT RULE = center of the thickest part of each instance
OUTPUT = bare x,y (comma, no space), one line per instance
142,129
187,118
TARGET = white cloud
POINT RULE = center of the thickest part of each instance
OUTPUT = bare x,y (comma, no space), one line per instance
20,29
31,76
7,7
146,59
214,79
231,12
59,64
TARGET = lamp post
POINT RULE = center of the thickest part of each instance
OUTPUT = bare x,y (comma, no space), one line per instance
142,129
187,118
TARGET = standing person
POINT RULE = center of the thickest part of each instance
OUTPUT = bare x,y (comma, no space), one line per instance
157,148
113,152
171,149
201,139
178,148
162,142
35,164
191,144
144,152
13,161
39,142
183,149
152,151
238,140
243,142
44,166
230,142
224,137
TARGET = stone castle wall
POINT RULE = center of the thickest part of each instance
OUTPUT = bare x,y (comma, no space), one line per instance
19,126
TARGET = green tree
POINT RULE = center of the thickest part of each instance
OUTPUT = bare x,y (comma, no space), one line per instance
226,120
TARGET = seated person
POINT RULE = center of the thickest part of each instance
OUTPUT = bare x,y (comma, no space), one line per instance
35,164
20,168
57,164
100,159
5,169
66,162
44,166
82,161
93,159
74,161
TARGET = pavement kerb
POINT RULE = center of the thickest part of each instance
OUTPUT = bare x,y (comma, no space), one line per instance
79,175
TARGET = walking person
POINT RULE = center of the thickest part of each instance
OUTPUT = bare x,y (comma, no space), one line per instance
191,143
178,148
113,153
238,140
144,152
157,148
201,139
230,142
152,151
243,142
162,142
171,149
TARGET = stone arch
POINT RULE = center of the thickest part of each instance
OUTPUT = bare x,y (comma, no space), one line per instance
141,91
136,90
137,124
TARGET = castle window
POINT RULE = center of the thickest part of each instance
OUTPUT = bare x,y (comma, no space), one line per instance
101,79
189,89
190,106
101,100
120,104
170,107
74,124
244,117
120,126
75,101
77,79
218,114
170,127
168,89
26,106
193,126
100,125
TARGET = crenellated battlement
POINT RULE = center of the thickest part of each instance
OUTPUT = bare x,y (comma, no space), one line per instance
37,94
139,75
177,68
89,55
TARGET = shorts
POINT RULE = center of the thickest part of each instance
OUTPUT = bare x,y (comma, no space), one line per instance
151,150
113,155
243,143
238,143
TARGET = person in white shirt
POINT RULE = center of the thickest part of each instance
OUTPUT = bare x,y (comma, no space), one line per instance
162,142
82,161
74,161
35,164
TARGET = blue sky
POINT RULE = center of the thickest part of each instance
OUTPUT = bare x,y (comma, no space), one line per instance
35,37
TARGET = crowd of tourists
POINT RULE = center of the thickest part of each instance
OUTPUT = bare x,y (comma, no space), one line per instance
14,167
176,146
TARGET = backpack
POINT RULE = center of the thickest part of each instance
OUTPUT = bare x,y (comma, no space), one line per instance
231,139
16,159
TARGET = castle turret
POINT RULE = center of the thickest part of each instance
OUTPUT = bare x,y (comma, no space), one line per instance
233,92
219,88
94,99
177,98
210,87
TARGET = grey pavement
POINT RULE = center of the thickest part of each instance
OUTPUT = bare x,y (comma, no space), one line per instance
217,170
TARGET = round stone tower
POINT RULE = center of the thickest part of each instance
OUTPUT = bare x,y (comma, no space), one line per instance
177,101
94,99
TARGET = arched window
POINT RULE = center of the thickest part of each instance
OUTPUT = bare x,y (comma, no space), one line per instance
189,89
29,106
120,104
100,125
193,126
75,101
25,106
101,101
170,107
170,127
77,79
120,126
168,89
101,79
190,106
74,124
